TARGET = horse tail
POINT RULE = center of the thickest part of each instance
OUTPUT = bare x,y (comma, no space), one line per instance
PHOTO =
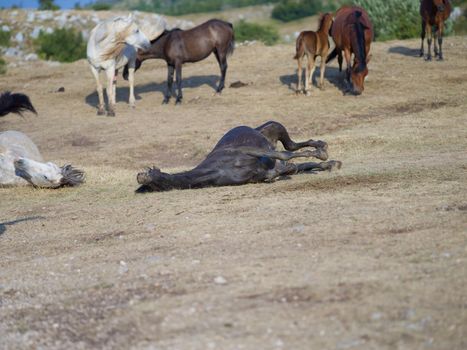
299,47
332,55
15,103
231,47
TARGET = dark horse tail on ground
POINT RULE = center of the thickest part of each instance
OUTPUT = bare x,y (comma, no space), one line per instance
15,103
352,32
243,155
178,46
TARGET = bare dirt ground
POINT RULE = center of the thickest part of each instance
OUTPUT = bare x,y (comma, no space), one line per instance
369,257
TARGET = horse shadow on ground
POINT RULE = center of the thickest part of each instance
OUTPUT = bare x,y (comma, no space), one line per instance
3,225
123,91
331,75
405,51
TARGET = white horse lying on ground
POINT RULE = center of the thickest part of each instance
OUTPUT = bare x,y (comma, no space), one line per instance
113,44
20,160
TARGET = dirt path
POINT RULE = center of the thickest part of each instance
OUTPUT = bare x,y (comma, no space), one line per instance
371,257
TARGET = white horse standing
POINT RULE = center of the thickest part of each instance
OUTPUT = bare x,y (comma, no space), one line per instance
113,44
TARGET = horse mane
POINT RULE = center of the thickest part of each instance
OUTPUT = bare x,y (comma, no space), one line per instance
164,33
321,21
117,44
360,31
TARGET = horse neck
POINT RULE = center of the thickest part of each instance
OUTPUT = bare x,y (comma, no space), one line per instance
111,46
323,30
183,180
157,48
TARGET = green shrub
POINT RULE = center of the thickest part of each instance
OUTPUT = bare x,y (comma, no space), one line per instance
48,5
5,37
101,6
290,10
2,66
63,45
253,31
396,19
182,7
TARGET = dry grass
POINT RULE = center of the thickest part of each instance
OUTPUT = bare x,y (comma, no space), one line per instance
371,256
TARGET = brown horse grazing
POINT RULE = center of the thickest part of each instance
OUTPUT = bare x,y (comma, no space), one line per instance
434,13
243,155
178,46
313,44
352,32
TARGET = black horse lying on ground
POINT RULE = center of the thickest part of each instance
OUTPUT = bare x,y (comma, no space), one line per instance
243,155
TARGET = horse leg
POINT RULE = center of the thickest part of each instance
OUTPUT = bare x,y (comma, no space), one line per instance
222,60
130,67
170,80
178,69
114,87
110,88
322,68
299,75
339,60
275,131
319,153
440,40
100,92
429,35
310,68
422,51
347,56
322,166
435,42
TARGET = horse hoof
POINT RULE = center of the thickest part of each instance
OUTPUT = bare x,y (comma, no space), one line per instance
422,53
440,58
111,114
166,101
307,93
333,164
428,58
100,112
178,102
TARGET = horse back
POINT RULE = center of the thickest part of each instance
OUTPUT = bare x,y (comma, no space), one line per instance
195,44
344,18
243,136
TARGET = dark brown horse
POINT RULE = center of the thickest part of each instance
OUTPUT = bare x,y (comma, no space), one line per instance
434,13
179,46
313,44
352,32
243,155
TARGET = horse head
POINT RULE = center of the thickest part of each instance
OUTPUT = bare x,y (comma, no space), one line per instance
439,4
127,31
48,175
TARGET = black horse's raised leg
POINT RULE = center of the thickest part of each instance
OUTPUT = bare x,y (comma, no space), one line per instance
178,69
283,155
170,80
285,169
275,131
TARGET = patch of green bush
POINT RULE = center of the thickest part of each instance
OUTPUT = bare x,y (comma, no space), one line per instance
396,19
101,6
63,45
290,10
182,7
5,37
2,66
48,5
253,31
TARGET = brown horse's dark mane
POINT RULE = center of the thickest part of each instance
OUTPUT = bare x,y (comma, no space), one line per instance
321,21
165,32
360,31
